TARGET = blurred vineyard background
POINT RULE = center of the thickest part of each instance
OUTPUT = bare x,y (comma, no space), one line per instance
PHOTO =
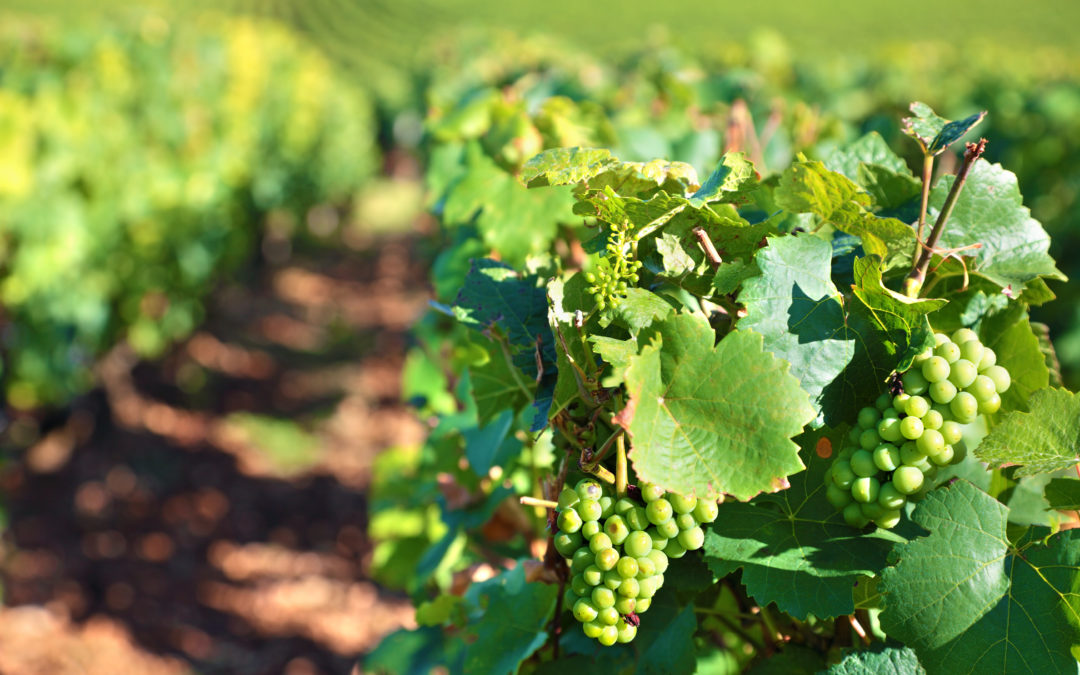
216,260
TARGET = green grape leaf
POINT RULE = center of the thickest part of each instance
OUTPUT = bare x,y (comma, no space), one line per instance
640,308
566,166
809,187
794,305
497,384
708,420
790,660
1044,440
880,659
1063,494
990,211
945,582
491,445
667,645
934,134
969,601
887,188
443,609
730,182
508,619
794,548
512,220
1017,348
872,150
413,652
566,297
1050,357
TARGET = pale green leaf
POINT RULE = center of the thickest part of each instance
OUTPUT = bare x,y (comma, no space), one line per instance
566,166
880,659
1044,440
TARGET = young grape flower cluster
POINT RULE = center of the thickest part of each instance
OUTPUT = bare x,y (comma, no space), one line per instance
897,445
618,551
617,271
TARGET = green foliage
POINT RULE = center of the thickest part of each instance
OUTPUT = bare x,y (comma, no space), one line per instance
1041,441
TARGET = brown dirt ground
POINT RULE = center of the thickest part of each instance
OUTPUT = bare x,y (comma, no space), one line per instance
147,533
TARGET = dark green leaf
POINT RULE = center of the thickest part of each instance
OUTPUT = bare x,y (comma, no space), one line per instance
412,652
1044,440
498,384
699,423
954,131
491,445
791,660
508,619
880,659
1063,494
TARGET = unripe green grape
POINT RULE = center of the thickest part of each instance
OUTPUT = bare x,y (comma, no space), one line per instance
609,637
964,407
990,405
1001,378
602,597
584,610
853,515
931,442
886,457
625,605
658,541
659,511
606,559
871,510
923,464
944,457
645,567
627,632
623,506
685,521
907,479
637,544
910,453
963,373
923,356
853,435
599,542
889,430
989,358
659,559
588,488
668,530
838,497
868,417
865,489
932,420
935,369
629,588
869,439
590,529
846,453
706,511
972,350
593,575
569,521
940,339
948,351
911,428
636,519
609,616
682,503
888,520
899,402
891,498
943,392
612,579
883,402
627,567
615,528
579,586
589,509
982,388
892,413
951,432
650,492
914,383
963,335
692,539
593,629
916,406
607,506
674,549
590,277
566,543
567,498
643,605
959,451
842,474
943,410
862,464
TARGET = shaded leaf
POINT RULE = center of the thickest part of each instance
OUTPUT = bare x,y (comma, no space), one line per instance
508,618
1063,494
872,150
498,384
1044,440
708,420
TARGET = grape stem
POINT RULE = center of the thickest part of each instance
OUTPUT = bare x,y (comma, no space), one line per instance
541,503
706,244
600,454
927,177
913,283
601,473
620,466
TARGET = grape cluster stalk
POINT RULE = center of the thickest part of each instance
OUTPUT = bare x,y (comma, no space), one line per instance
618,551
896,447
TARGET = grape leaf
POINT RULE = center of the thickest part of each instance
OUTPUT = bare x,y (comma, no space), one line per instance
708,420
512,220
1010,335
946,581
566,297
990,211
730,182
1050,357
795,306
880,659
1063,494
870,149
640,308
566,166
794,547
492,444
1044,440
934,134
968,601
791,660
508,617
413,652
498,384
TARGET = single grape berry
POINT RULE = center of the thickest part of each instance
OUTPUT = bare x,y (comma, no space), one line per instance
659,511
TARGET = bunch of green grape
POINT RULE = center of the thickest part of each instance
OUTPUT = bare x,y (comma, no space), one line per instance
618,551
617,270
898,445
